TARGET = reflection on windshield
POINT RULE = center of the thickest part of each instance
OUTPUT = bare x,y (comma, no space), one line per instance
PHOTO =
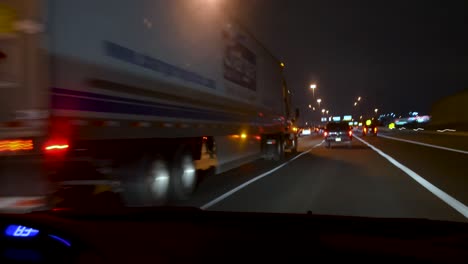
216,105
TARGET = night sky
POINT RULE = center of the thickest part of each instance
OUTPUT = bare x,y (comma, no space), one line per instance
399,56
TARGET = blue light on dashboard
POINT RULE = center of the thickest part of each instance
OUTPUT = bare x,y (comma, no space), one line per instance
20,231
63,241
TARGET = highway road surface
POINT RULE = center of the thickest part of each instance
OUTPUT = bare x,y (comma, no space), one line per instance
408,174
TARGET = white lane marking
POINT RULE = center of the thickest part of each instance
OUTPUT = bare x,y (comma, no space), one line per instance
238,188
425,144
452,202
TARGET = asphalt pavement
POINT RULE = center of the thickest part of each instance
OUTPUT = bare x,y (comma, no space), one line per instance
378,177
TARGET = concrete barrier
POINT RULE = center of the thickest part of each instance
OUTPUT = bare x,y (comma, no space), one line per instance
451,112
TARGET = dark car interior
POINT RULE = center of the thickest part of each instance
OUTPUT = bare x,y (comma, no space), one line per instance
186,235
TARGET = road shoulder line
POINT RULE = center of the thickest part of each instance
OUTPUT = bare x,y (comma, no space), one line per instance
243,185
424,144
452,202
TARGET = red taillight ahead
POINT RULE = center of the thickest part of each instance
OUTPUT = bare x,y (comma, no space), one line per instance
375,130
56,146
365,130
325,133
350,133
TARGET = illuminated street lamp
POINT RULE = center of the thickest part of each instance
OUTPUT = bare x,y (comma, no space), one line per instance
310,106
359,98
319,101
355,103
313,86
323,111
376,110
327,111
313,108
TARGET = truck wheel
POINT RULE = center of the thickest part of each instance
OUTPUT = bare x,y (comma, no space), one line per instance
279,149
158,180
183,176
294,146
145,181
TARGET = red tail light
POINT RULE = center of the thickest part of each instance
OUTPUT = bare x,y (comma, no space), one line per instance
325,133
375,130
365,130
350,133
56,146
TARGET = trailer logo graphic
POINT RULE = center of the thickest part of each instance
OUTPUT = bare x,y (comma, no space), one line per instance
240,64
130,56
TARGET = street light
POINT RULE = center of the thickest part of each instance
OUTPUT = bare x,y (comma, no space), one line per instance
319,101
355,103
313,108
376,110
359,98
327,112
310,106
313,86
323,111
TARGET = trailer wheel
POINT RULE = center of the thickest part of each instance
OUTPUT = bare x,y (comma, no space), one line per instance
145,181
183,176
294,145
279,149
158,180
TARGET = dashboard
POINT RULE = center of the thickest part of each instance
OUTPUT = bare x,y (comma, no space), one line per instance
24,244
195,236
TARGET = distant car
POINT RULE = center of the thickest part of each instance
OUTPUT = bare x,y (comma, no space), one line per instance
306,131
320,130
372,129
338,133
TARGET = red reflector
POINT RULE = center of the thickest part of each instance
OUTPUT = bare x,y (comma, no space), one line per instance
53,146
16,145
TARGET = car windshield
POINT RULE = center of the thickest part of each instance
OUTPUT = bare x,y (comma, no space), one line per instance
230,105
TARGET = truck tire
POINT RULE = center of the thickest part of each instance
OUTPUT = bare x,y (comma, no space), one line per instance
183,176
145,181
294,147
279,149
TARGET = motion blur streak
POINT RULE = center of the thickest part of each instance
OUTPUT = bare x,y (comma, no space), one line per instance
52,147
425,144
452,202
15,145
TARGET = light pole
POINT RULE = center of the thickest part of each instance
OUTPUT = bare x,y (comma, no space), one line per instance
319,101
313,86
